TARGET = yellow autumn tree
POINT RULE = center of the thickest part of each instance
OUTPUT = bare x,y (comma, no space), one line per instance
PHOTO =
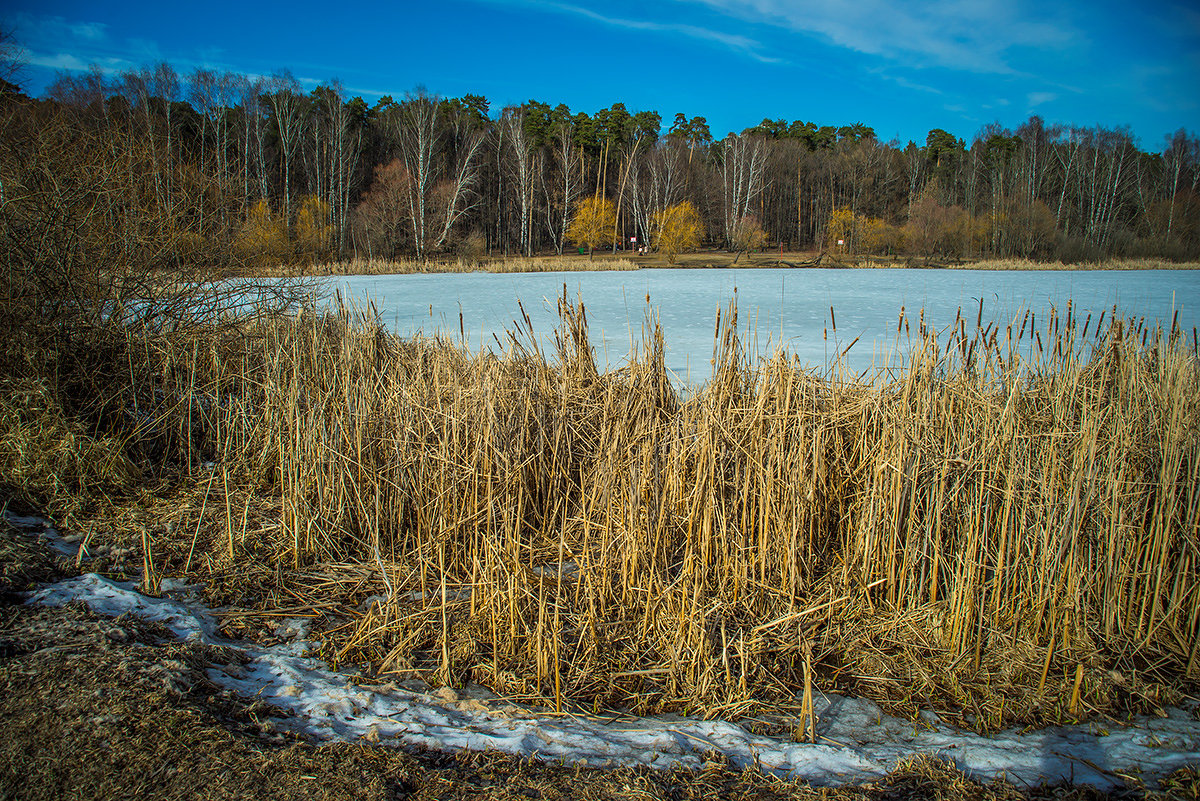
677,228
593,222
312,227
860,233
264,236
842,231
877,236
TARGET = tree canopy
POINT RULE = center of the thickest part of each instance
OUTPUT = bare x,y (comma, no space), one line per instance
232,158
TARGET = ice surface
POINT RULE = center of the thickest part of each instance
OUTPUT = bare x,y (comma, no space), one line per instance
857,741
788,308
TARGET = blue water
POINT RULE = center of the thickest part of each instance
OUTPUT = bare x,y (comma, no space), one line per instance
788,308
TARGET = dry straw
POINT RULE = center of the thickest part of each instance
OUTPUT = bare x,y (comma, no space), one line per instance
515,264
995,526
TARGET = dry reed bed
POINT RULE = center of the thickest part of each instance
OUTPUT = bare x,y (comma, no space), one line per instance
1007,526
1110,264
514,264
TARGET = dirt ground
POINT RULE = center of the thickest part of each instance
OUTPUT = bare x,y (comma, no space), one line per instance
101,707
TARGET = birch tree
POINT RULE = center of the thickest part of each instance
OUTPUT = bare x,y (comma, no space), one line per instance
742,162
437,197
254,131
287,114
336,142
520,150
1180,158
565,183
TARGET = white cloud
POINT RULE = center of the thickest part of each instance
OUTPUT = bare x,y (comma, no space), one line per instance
906,83
54,43
1036,99
740,44
973,35
734,42
95,31
53,61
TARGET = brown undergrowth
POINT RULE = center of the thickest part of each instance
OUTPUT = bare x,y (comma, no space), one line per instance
96,707
1005,529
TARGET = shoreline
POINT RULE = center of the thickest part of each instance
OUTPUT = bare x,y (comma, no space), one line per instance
701,260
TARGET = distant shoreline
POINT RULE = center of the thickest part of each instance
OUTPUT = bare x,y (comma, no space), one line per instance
700,260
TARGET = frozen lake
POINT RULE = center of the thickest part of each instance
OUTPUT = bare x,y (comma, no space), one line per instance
777,307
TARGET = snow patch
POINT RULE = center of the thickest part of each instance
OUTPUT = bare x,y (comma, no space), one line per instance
42,528
857,740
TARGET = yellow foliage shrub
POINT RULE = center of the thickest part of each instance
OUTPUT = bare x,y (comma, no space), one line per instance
677,228
312,228
593,222
264,237
859,233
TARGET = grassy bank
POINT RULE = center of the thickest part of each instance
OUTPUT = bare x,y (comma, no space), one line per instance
1112,264
704,259
516,264
1004,529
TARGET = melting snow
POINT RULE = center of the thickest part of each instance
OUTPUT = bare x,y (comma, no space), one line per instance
67,546
858,741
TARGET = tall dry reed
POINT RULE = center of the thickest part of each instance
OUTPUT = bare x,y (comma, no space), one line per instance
1005,523
514,264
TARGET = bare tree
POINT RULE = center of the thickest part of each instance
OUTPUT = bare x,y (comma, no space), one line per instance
253,105
437,197
512,120
658,186
417,131
251,114
914,171
1181,156
287,107
336,142
10,60
458,192
568,163
742,162
1066,154
136,88
163,84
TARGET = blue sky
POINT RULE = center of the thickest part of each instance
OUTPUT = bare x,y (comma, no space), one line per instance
902,68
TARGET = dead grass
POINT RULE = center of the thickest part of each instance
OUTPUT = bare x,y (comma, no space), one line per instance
515,264
96,707
1005,530
1111,264
50,461
568,262
704,259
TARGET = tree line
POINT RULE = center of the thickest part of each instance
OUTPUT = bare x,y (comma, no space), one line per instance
228,169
